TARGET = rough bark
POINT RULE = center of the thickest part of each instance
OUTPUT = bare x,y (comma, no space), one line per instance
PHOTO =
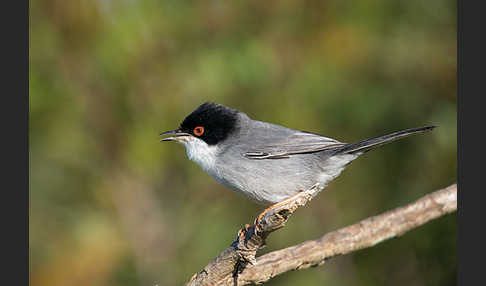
237,264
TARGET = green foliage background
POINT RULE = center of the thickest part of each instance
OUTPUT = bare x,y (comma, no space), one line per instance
110,205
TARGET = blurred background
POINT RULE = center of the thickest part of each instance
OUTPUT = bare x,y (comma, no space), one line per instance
110,205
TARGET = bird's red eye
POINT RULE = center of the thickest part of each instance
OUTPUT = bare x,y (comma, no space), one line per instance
198,131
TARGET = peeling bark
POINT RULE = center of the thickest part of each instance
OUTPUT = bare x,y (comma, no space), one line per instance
237,265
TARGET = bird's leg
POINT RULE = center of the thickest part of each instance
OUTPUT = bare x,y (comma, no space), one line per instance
283,202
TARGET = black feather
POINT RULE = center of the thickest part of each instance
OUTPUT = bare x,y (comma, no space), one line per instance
218,121
368,144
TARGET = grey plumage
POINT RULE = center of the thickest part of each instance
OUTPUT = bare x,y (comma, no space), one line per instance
268,163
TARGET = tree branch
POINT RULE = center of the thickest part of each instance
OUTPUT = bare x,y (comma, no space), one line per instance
237,264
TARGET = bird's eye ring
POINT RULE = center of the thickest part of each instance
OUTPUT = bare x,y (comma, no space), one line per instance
198,131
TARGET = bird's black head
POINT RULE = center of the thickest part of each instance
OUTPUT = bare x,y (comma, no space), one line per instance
210,122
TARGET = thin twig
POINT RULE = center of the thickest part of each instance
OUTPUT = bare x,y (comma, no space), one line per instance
237,264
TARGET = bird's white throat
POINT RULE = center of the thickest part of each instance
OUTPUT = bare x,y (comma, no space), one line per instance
200,152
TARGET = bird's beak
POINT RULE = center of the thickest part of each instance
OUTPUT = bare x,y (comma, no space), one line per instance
177,135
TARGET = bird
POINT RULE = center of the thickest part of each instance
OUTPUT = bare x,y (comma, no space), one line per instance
265,162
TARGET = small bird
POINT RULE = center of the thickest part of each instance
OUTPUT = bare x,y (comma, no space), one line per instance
265,162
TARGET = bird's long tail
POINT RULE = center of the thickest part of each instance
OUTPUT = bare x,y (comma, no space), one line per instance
368,144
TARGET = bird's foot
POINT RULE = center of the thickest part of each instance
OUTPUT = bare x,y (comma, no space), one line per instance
259,222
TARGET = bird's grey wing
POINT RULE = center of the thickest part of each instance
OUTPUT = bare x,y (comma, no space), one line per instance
293,144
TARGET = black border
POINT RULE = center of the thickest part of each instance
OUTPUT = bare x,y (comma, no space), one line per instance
15,142
470,90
